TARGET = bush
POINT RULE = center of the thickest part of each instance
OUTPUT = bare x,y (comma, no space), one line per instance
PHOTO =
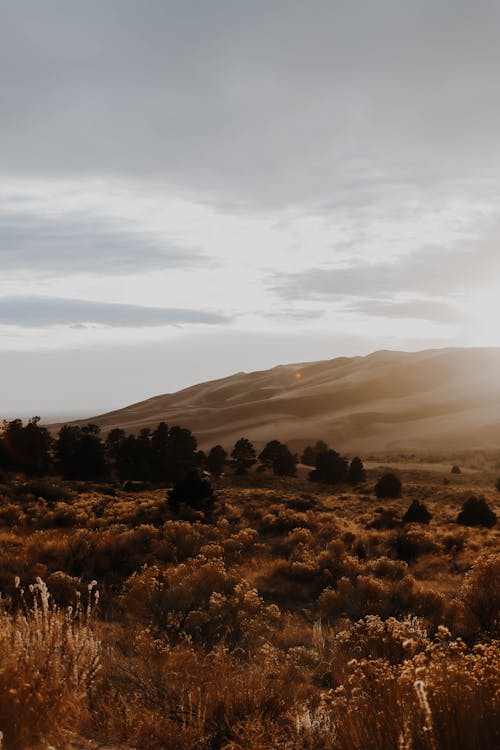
374,638
455,469
364,594
386,519
357,472
194,492
444,697
49,662
411,544
476,512
480,591
417,513
388,486
202,599
52,493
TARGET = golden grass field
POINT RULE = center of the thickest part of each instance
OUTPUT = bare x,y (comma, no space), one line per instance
287,619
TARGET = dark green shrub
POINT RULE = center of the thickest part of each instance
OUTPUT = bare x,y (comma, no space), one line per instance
417,513
193,492
476,512
388,486
357,473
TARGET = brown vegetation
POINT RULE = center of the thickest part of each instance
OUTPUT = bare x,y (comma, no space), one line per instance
284,618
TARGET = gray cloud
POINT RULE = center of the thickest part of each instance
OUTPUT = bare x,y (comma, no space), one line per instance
40,312
430,271
269,102
431,310
289,313
75,244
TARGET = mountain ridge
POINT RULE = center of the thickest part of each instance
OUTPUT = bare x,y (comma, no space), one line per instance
385,401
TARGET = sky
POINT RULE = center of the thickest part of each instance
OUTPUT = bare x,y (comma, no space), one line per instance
190,189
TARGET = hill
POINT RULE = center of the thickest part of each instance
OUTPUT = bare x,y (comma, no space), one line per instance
441,399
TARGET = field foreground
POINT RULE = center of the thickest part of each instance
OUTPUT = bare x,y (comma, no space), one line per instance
293,616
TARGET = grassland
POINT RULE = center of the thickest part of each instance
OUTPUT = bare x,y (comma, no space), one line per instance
293,616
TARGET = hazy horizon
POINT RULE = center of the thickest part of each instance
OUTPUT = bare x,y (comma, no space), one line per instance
53,417
189,190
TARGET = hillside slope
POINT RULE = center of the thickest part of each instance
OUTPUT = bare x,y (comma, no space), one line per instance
388,401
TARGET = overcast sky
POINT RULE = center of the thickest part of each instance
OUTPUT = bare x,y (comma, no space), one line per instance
194,188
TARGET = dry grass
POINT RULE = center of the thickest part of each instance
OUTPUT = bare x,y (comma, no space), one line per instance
288,621
50,659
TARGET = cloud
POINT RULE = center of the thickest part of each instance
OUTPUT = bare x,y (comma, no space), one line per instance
265,102
41,312
418,309
71,244
291,313
427,272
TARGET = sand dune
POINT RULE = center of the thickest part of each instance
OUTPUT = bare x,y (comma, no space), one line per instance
443,399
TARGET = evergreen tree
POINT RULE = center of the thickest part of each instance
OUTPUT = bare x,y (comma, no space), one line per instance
357,473
27,447
181,453
243,455
285,462
331,468
159,453
80,453
270,453
216,460
311,453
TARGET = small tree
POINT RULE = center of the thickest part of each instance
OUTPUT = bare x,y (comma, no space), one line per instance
311,453
160,442
388,486
331,468
216,459
417,513
455,469
181,452
279,458
476,512
285,462
26,447
80,453
243,455
192,491
269,453
357,473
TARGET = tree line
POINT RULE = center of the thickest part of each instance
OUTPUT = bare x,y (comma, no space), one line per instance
165,454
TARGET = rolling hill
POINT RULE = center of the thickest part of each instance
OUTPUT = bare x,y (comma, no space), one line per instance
441,399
